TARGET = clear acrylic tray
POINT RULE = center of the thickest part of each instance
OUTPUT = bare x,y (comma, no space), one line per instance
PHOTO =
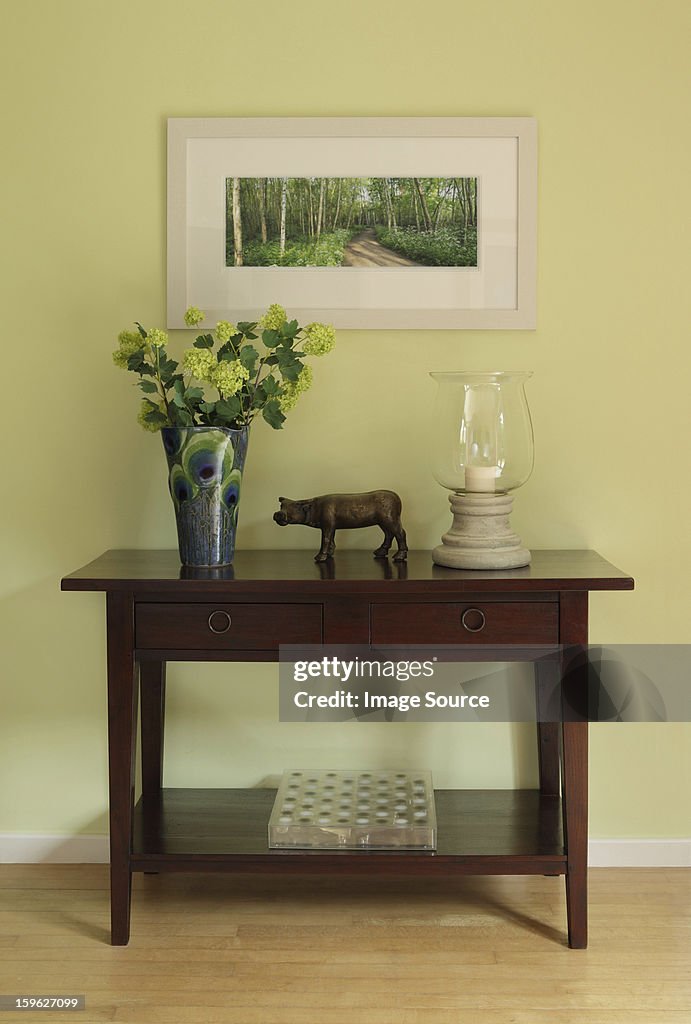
354,810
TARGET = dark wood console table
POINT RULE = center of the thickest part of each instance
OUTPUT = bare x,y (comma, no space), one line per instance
159,612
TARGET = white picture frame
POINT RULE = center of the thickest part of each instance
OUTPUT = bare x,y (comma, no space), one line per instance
498,294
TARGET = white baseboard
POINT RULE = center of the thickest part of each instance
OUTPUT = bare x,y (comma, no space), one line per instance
33,849
639,853
603,853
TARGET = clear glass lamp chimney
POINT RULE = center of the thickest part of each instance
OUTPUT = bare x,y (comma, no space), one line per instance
482,432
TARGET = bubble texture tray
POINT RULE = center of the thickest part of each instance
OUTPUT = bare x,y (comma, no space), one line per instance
354,810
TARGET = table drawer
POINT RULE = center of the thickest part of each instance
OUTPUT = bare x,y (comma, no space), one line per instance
242,627
485,622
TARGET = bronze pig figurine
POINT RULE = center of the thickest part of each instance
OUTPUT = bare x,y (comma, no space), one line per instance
331,512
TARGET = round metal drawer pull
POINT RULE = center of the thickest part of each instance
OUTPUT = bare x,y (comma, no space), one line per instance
473,620
219,616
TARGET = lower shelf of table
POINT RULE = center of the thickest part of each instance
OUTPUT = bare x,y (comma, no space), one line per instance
478,832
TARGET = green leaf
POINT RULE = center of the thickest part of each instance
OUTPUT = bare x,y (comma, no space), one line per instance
249,357
194,394
226,353
167,366
270,385
138,364
289,364
289,330
167,371
179,386
291,373
271,338
229,408
207,408
204,341
259,397
148,387
135,362
156,418
181,417
272,414
246,328
141,329
179,400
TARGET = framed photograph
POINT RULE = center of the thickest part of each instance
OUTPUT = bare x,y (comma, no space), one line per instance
393,223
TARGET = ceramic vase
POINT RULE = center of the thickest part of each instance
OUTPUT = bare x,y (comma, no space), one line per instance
205,466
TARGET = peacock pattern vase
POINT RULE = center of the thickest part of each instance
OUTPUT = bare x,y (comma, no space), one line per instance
205,467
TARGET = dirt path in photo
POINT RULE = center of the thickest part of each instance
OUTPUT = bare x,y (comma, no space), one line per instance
365,251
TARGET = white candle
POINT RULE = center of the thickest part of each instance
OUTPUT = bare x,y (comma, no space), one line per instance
480,478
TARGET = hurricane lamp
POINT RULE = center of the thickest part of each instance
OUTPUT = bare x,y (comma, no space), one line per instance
482,450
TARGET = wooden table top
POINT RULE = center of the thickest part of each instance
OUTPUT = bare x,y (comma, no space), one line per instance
294,571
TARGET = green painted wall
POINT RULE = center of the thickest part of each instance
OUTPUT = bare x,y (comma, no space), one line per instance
86,87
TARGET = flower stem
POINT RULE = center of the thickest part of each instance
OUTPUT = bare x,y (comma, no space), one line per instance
246,415
160,382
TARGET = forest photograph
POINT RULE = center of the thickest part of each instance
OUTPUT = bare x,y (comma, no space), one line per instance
351,222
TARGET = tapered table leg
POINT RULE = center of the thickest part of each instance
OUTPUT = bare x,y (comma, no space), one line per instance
547,675
122,721
547,690
152,678
575,799
152,686
573,630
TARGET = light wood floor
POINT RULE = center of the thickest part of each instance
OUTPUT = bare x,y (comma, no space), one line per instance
270,950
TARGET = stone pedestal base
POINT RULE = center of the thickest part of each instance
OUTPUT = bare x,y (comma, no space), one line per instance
481,536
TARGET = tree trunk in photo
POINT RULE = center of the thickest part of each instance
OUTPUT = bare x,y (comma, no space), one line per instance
387,200
320,214
462,195
284,201
470,201
237,223
415,208
441,202
338,204
458,198
311,206
423,205
448,203
435,215
262,208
